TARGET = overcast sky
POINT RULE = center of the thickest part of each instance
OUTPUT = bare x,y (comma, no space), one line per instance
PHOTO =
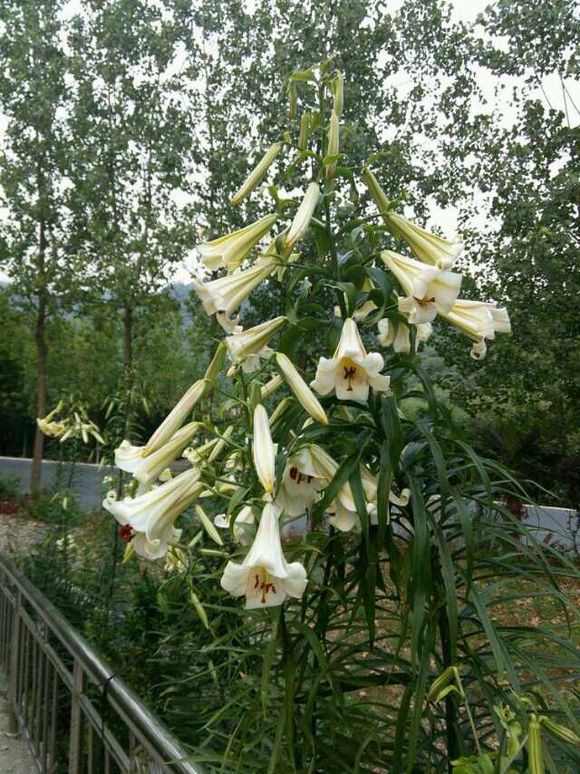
498,102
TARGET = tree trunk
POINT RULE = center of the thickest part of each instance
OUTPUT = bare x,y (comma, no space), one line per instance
41,359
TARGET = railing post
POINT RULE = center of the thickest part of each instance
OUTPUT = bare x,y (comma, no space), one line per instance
14,660
75,739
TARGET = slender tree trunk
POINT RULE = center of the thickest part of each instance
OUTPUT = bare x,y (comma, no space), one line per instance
41,359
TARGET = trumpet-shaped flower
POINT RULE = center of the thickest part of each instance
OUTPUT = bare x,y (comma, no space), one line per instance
256,174
246,347
243,526
264,577
145,465
225,294
306,474
480,321
148,519
52,429
301,390
176,416
303,216
263,450
429,289
396,334
342,513
427,247
351,371
229,251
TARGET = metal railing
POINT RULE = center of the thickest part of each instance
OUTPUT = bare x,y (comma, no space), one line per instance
77,716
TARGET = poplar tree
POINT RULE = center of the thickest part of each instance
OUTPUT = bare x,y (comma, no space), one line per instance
35,245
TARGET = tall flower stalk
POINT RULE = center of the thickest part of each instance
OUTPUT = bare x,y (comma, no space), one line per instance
349,516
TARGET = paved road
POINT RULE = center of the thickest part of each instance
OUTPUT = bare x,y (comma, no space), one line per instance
86,481
553,525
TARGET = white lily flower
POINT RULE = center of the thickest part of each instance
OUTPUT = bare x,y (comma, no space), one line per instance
428,247
342,513
148,519
351,371
146,466
243,527
301,390
429,290
256,175
424,332
225,294
246,347
395,334
229,251
479,320
303,480
265,578
399,500
303,216
176,416
52,429
263,450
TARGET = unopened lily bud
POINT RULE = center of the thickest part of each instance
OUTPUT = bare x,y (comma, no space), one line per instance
535,751
271,386
217,362
333,143
558,731
338,93
375,190
176,417
280,410
301,390
448,677
256,175
305,129
206,523
303,216
263,450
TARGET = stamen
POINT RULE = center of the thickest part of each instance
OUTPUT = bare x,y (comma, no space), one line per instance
293,473
126,533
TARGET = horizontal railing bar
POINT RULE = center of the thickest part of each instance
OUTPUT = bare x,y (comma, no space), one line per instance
108,738
141,720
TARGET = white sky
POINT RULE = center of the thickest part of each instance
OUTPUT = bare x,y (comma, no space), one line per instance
497,102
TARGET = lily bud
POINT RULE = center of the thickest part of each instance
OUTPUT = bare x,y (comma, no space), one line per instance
338,93
301,390
229,251
427,247
175,418
216,363
375,190
225,294
263,450
248,345
271,386
332,148
256,175
303,216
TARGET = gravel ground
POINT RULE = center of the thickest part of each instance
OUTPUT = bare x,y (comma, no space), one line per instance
18,533
15,757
